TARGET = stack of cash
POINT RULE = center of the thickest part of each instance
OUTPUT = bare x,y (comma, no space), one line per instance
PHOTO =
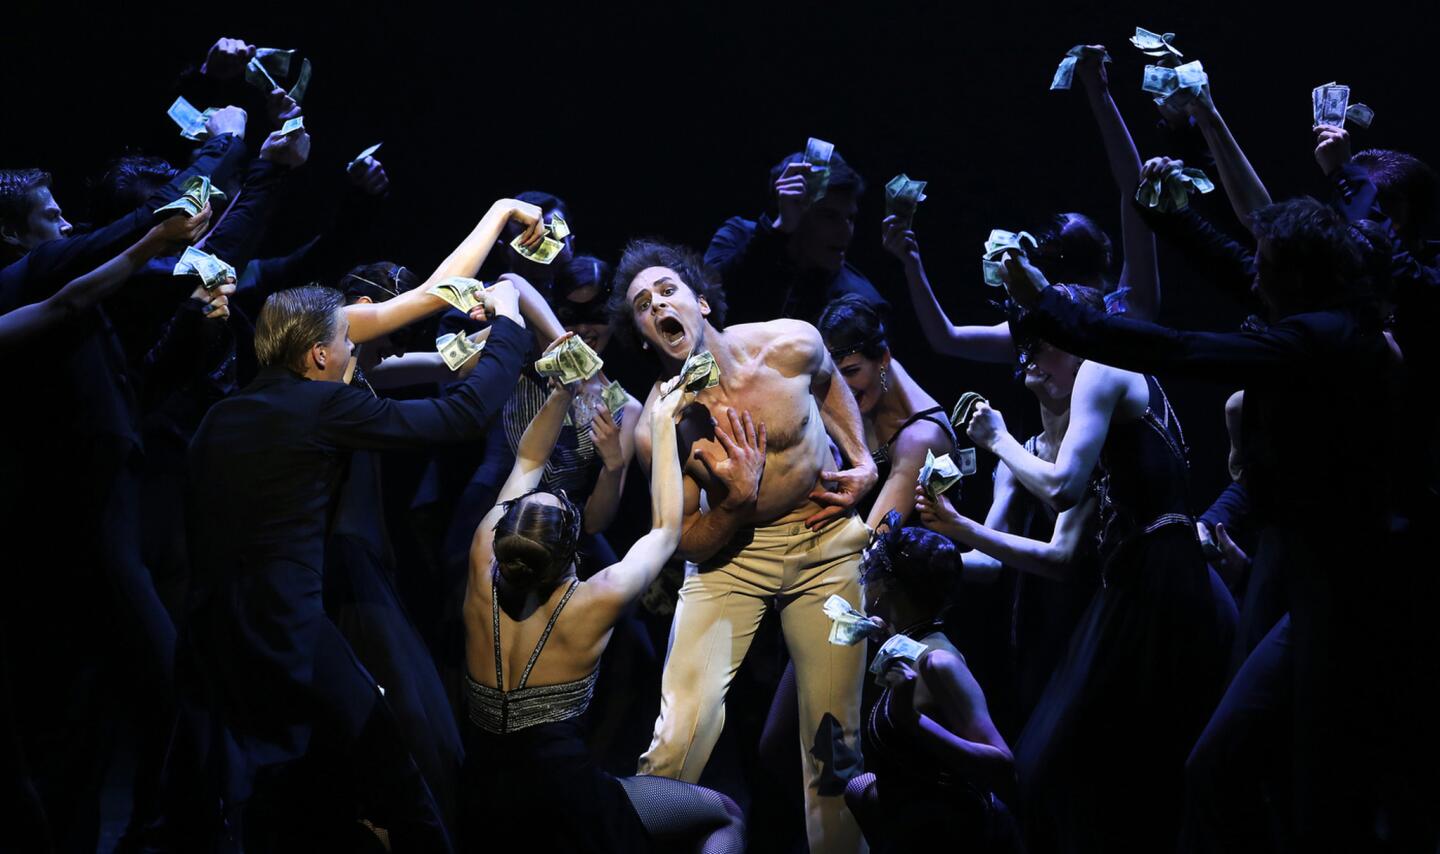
551,244
211,270
461,292
1331,105
1157,45
270,65
897,648
1171,191
190,120
940,473
902,195
700,372
1000,242
1065,74
195,193
614,397
817,156
572,361
847,625
456,349
362,155
964,408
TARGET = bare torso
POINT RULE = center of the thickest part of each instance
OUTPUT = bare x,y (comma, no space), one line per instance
766,369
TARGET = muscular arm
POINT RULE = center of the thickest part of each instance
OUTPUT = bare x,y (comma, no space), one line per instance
1004,515
907,455
369,321
1053,559
840,413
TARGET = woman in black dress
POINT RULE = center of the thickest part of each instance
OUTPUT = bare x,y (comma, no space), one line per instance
530,781
933,755
1101,759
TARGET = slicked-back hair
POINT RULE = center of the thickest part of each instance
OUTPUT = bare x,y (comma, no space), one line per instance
15,202
1309,244
646,253
849,324
294,320
535,541
1400,176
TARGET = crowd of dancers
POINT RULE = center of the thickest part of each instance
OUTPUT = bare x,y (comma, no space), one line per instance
200,547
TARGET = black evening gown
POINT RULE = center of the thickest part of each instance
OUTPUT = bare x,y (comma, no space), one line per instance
1101,760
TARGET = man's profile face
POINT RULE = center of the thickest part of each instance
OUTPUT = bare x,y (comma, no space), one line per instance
45,223
826,230
668,314
339,352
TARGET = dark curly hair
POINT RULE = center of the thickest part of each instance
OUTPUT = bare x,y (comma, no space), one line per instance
852,325
919,561
1309,246
15,202
127,182
535,542
643,254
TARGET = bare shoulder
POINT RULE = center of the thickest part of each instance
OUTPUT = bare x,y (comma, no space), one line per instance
921,436
792,346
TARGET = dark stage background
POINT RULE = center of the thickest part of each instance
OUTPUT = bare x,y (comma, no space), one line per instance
663,120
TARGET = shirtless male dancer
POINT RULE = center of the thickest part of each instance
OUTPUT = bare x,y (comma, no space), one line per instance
775,524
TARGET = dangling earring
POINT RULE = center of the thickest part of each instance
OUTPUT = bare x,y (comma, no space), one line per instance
884,380
644,345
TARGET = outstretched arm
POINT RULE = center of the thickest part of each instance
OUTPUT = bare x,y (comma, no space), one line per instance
1053,559
369,321
1242,185
638,569
980,343
1141,273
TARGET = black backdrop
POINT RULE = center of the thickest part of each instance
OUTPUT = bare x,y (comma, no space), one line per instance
663,119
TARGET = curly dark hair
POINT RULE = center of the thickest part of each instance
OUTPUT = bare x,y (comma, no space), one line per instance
643,254
919,561
1310,248
127,182
15,202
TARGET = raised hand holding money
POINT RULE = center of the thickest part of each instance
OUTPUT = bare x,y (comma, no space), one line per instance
457,349
1169,190
791,197
570,359
1065,74
899,648
1332,147
195,196
960,415
997,245
190,120
550,244
902,195
287,148
212,271
1022,281
461,292
940,473
817,155
226,59
369,152
1155,44
699,372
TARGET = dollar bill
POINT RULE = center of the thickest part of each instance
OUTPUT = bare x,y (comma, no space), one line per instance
1360,115
212,271
965,461
550,246
1160,79
700,372
456,349
1155,44
292,125
302,82
1065,74
369,152
1191,75
997,244
902,195
1330,102
938,474
257,75
275,59
1171,192
964,408
897,648
847,625
615,397
195,193
190,120
817,156
993,272
461,292
572,361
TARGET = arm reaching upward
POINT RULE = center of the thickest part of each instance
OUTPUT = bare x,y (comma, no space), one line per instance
1242,185
369,321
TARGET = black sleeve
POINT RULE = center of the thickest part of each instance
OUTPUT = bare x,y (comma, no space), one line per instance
238,234
50,265
1214,255
179,354
738,250
1137,345
357,419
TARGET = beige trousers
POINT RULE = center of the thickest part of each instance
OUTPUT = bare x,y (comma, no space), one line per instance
720,607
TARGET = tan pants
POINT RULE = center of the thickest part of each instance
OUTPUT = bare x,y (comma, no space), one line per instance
721,604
